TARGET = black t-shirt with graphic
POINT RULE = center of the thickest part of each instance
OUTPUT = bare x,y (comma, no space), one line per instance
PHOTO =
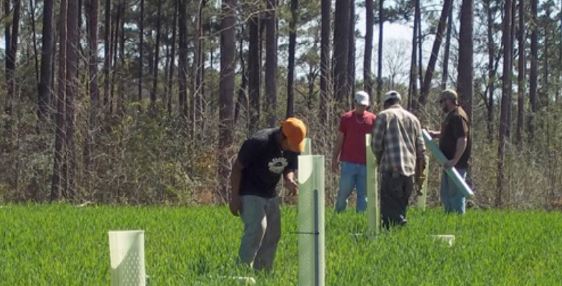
264,162
455,126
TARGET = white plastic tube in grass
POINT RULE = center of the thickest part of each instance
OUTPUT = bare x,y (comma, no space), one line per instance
307,147
451,172
126,249
311,220
234,280
373,203
448,239
421,202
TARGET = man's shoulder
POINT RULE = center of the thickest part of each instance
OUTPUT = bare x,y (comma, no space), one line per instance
398,113
410,114
346,115
457,115
370,114
461,113
262,135
395,109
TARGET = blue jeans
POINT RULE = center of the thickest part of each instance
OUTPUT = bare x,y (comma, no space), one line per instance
262,231
451,197
352,175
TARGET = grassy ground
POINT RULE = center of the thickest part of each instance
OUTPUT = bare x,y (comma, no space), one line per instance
65,245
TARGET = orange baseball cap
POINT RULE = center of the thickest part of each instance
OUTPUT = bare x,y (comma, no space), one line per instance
295,132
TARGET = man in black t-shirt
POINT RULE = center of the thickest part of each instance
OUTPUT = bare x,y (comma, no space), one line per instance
261,161
455,143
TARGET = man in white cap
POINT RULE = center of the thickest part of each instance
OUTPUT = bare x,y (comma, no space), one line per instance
349,153
398,146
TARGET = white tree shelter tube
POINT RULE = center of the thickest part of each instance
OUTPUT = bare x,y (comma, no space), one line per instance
451,172
126,249
307,146
373,203
311,220
421,202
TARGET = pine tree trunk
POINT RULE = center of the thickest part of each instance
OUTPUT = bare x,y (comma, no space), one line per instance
341,50
425,88
445,74
92,27
491,72
351,55
118,24
466,58
557,99
119,66
34,38
107,53
59,178
71,94
242,101
413,87
380,53
199,90
11,56
291,62
559,90
324,105
271,62
226,87
47,58
368,54
156,56
546,66
172,59
505,102
182,65
368,58
141,55
521,86
254,73
420,48
533,73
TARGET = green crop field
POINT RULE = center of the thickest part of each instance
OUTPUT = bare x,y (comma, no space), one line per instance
66,245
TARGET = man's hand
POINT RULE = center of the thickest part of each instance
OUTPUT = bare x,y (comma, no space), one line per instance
292,186
434,134
419,175
235,205
449,164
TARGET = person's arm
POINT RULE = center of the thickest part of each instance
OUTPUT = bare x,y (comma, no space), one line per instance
235,177
434,133
250,148
378,137
459,150
290,182
337,151
289,175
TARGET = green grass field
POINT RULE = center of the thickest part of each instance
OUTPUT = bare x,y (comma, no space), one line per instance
65,245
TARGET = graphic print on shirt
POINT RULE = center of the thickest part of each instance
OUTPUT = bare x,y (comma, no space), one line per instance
277,165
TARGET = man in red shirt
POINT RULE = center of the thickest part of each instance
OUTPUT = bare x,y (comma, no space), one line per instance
350,151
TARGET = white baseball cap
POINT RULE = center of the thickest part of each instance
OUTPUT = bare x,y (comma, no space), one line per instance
362,98
393,94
